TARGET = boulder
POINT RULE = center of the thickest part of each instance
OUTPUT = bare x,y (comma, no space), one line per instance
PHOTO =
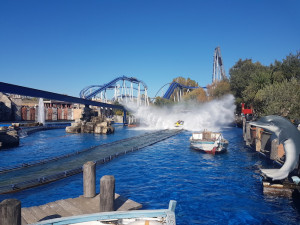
98,130
5,108
76,124
75,130
9,139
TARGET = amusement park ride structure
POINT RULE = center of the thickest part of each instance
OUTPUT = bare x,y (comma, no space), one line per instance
218,74
218,67
124,89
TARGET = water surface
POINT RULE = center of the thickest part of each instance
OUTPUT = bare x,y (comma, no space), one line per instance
221,189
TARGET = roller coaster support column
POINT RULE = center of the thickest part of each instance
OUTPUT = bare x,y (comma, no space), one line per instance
124,118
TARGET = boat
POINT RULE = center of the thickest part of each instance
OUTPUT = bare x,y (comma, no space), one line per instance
179,123
132,217
209,142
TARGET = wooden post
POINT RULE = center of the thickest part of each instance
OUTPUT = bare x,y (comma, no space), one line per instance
107,193
248,134
10,212
89,179
258,139
244,128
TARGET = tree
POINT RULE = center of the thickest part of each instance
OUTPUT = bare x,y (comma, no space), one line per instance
185,82
288,69
246,78
281,98
197,94
159,101
218,89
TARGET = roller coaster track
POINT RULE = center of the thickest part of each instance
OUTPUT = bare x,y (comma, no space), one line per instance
108,85
175,85
37,173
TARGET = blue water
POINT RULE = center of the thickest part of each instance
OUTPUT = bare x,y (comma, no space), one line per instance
221,189
51,143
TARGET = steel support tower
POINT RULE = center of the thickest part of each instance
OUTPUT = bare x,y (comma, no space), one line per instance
218,67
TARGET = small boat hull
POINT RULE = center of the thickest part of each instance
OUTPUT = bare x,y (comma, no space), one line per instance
209,148
209,142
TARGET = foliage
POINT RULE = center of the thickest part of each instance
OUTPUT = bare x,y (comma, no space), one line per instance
159,101
270,89
280,98
218,89
197,94
183,81
246,78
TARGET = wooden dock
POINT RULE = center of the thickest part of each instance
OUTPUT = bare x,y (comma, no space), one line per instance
73,207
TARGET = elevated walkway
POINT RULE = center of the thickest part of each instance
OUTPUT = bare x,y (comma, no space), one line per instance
49,170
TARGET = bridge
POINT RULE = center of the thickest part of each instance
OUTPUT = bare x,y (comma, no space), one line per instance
119,89
26,91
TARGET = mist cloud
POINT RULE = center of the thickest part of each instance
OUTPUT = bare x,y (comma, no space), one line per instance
211,115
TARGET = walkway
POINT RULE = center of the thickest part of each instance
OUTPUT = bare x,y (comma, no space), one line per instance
46,171
72,207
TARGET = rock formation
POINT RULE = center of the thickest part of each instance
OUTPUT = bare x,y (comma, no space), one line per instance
9,138
90,122
5,108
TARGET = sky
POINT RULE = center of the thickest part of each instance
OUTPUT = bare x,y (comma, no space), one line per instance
64,46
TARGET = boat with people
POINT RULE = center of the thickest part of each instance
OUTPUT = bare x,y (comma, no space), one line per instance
209,142
179,123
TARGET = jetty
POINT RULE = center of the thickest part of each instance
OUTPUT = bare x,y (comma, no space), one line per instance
106,206
73,207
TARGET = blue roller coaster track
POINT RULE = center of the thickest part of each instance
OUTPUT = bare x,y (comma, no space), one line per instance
110,85
175,85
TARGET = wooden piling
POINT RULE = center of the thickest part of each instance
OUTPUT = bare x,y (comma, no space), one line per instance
10,212
89,179
248,134
258,139
107,193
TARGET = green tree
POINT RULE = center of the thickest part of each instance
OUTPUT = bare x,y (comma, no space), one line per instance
159,101
197,94
218,89
280,98
246,78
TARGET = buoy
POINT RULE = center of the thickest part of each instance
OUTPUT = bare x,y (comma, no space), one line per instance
145,222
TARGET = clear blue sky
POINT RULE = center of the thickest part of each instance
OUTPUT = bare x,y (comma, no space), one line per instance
65,45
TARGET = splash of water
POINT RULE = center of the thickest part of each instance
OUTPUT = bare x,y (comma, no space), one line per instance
41,112
211,115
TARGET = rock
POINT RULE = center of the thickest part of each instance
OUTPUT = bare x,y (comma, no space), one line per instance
5,108
3,128
75,130
103,124
98,130
104,130
90,123
76,124
15,124
9,139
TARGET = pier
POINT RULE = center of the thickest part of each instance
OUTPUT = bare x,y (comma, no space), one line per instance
73,207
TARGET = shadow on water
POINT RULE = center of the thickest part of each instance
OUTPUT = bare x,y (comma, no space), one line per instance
296,200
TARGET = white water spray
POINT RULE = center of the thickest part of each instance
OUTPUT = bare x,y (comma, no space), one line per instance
41,112
211,115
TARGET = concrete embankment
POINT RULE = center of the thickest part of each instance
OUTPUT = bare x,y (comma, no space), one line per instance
41,173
